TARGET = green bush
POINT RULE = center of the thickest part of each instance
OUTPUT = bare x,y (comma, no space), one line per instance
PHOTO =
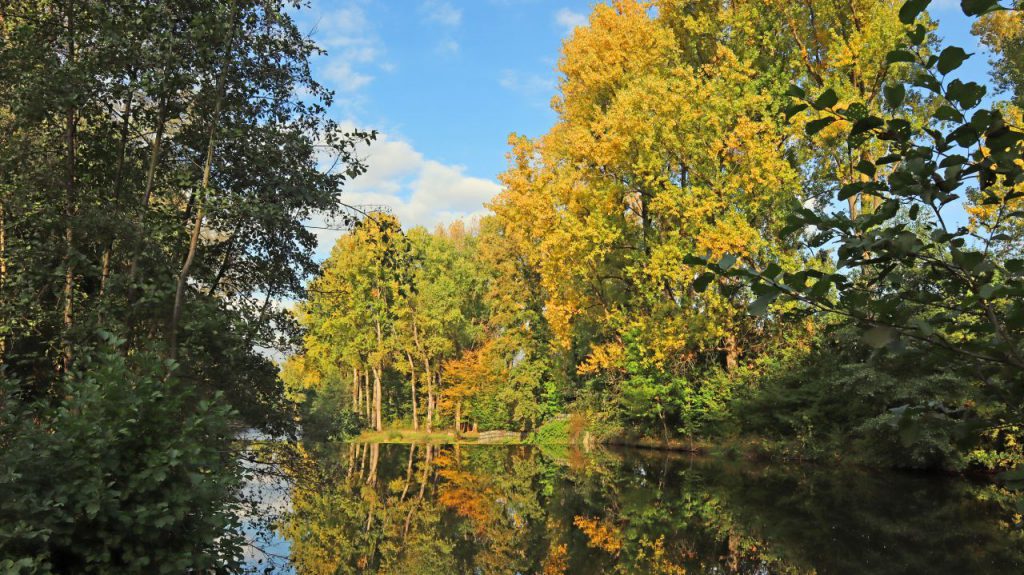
552,432
327,416
127,472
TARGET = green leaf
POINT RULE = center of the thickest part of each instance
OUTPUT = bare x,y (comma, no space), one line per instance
701,283
867,168
827,99
912,9
760,305
947,113
978,7
900,56
895,95
727,262
879,336
794,110
795,91
865,125
917,35
968,94
951,58
815,126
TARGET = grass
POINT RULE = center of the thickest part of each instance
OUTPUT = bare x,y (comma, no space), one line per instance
442,436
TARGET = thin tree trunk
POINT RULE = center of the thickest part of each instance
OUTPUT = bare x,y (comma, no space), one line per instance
366,396
430,395
71,134
355,389
377,422
197,228
408,471
118,183
3,273
147,194
226,262
412,385
458,417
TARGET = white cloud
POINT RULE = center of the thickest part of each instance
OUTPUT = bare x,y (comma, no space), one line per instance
441,12
419,191
447,47
533,87
569,20
341,76
353,49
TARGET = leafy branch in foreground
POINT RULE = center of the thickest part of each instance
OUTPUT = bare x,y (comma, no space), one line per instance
910,266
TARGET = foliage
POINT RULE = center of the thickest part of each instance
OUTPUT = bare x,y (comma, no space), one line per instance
128,473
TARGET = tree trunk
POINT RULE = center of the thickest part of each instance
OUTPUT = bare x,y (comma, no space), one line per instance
377,423
355,390
731,353
118,183
197,228
430,395
366,397
3,274
412,385
147,194
70,136
458,417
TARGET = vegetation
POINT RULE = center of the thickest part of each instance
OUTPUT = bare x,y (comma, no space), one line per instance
447,509
782,223
787,226
156,167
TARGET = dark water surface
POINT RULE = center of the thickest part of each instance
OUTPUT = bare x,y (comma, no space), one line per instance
516,509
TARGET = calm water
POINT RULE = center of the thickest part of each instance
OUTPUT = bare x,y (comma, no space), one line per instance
514,509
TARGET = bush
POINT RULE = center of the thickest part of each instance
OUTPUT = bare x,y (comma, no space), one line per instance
129,472
327,416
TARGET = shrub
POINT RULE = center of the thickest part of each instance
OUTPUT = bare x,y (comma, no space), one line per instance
129,472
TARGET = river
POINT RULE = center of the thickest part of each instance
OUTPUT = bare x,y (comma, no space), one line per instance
423,509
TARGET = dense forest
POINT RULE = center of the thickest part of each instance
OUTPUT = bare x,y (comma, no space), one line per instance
156,168
789,229
786,226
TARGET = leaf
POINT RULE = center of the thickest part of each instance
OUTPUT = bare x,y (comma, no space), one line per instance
895,95
917,35
760,305
794,110
867,168
900,55
701,283
795,91
912,9
879,336
951,58
727,262
947,113
865,125
978,7
968,94
815,126
827,99
850,190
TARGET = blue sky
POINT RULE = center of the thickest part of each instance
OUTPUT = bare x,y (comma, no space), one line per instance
446,81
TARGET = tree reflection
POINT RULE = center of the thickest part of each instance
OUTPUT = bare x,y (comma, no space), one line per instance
367,508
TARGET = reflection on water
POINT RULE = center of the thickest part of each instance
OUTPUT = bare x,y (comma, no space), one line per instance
401,509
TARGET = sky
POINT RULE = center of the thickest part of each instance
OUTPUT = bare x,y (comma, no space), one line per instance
446,81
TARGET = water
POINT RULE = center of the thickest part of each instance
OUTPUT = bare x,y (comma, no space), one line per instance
518,509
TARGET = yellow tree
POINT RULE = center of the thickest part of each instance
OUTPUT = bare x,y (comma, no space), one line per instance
660,152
